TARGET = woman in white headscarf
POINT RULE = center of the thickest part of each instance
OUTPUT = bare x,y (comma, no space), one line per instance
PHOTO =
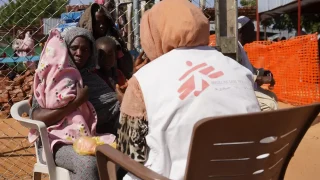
185,82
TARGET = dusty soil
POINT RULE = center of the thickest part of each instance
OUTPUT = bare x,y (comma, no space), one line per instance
305,165
17,155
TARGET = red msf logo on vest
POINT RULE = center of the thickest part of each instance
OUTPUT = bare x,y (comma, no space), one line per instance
199,72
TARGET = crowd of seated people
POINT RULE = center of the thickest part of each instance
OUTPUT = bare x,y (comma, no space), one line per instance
87,84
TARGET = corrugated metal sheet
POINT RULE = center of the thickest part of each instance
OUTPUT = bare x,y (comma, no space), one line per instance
49,23
267,5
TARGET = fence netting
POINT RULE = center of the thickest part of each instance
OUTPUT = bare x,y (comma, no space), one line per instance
294,63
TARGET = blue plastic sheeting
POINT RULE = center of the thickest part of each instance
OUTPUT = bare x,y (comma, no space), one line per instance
62,27
134,53
267,5
19,59
71,16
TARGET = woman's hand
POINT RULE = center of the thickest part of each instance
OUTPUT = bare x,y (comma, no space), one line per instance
140,62
82,95
120,90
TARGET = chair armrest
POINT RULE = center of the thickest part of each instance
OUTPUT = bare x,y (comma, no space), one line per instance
32,124
106,154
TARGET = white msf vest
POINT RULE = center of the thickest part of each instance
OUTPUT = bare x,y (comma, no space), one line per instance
183,87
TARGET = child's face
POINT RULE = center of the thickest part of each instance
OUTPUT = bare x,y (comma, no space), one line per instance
107,57
100,25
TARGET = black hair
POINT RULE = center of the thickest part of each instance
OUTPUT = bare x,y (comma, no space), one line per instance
247,33
249,26
107,40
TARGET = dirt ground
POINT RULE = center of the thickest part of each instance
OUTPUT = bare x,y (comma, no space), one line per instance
17,155
305,165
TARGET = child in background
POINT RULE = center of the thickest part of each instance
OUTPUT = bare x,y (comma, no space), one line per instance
108,54
23,45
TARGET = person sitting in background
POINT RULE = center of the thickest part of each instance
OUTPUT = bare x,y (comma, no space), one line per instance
185,82
107,52
99,22
23,46
267,99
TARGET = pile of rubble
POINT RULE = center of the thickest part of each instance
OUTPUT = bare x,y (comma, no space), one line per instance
14,91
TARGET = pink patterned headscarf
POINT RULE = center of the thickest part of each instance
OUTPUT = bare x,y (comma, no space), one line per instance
55,86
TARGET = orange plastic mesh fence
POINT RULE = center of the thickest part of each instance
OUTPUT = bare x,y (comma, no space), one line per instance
294,64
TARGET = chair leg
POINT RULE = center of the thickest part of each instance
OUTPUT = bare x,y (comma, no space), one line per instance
36,176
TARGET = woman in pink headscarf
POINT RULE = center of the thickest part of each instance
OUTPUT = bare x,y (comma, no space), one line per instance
58,86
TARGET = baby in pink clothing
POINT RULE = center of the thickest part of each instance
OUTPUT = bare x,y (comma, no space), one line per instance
55,86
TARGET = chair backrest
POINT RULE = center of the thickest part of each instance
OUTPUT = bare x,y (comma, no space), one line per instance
251,146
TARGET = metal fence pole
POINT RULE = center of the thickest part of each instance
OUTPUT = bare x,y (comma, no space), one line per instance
136,22
116,2
143,7
129,25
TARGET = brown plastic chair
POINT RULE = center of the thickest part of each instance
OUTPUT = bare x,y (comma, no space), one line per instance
255,146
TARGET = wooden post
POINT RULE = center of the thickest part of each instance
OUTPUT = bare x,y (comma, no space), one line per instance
258,20
299,17
226,27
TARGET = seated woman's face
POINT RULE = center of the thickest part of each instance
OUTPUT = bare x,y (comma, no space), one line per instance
100,25
80,51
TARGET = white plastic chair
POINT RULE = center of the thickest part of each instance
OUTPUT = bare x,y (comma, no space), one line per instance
55,173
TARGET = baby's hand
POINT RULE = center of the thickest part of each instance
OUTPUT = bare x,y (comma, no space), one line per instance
82,95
